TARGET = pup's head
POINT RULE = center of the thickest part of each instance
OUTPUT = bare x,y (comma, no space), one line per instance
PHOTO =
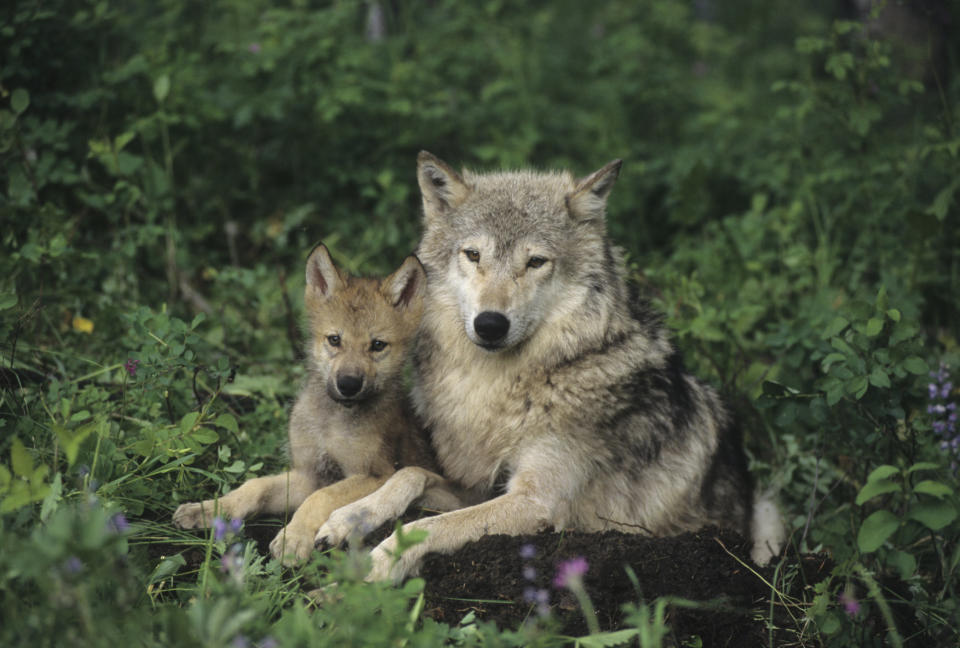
512,250
361,328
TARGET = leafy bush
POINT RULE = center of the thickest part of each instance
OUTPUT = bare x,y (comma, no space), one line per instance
788,197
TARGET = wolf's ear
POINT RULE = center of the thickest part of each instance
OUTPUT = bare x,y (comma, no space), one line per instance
323,278
589,199
441,186
405,288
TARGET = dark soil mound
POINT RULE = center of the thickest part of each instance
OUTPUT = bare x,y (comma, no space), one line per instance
711,567
498,577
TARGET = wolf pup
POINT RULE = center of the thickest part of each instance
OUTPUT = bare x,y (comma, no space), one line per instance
350,427
547,387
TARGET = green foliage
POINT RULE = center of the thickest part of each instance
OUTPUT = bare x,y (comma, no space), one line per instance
789,199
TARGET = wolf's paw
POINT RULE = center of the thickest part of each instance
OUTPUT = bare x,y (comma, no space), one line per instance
346,522
194,515
387,567
292,545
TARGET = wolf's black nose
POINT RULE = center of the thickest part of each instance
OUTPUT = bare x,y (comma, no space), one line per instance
491,326
349,385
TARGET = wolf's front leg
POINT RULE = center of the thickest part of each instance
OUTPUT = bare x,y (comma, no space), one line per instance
514,513
273,494
296,540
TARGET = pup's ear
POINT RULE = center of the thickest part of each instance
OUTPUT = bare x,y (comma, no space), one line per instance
406,287
589,199
441,186
323,278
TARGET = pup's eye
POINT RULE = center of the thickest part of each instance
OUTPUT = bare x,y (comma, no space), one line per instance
333,340
536,262
378,345
472,255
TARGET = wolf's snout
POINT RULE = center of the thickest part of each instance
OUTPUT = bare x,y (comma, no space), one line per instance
491,326
348,385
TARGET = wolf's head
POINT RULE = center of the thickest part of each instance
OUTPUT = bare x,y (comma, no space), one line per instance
361,329
513,250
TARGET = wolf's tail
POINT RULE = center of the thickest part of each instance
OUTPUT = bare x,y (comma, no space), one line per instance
767,528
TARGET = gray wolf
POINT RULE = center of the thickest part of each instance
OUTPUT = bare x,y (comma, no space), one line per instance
550,391
350,428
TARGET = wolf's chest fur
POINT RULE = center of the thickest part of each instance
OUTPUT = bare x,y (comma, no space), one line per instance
478,416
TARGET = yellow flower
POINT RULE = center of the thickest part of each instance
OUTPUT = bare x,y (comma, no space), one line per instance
82,325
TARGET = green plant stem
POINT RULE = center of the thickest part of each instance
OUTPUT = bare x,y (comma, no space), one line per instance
587,606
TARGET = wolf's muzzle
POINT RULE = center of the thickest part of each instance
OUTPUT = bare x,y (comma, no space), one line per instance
491,326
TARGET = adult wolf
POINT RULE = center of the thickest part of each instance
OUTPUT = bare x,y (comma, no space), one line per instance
547,386
350,428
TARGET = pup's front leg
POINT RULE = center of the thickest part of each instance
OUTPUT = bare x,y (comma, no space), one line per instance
296,540
272,494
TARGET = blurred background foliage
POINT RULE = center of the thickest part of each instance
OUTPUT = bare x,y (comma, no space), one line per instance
788,198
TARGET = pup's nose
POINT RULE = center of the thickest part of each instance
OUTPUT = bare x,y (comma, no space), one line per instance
491,326
348,385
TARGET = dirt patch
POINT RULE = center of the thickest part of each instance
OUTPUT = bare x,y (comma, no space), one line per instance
710,568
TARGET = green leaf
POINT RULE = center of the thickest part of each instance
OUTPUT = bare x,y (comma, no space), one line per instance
882,472
8,299
879,378
835,327
228,422
608,639
915,365
19,100
933,515
935,488
413,586
942,201
923,465
904,563
831,358
874,488
71,439
188,421
829,624
20,459
161,88
166,568
874,326
894,314
857,387
875,530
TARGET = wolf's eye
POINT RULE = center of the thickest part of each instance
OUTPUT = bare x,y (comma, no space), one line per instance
472,255
378,345
333,340
536,262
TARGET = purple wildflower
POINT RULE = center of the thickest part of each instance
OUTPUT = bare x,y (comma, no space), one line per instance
539,597
268,642
73,565
529,572
219,529
131,366
223,530
528,551
118,523
943,412
850,603
254,48
231,564
240,642
570,572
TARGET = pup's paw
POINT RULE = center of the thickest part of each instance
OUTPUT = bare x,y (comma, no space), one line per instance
194,515
292,545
